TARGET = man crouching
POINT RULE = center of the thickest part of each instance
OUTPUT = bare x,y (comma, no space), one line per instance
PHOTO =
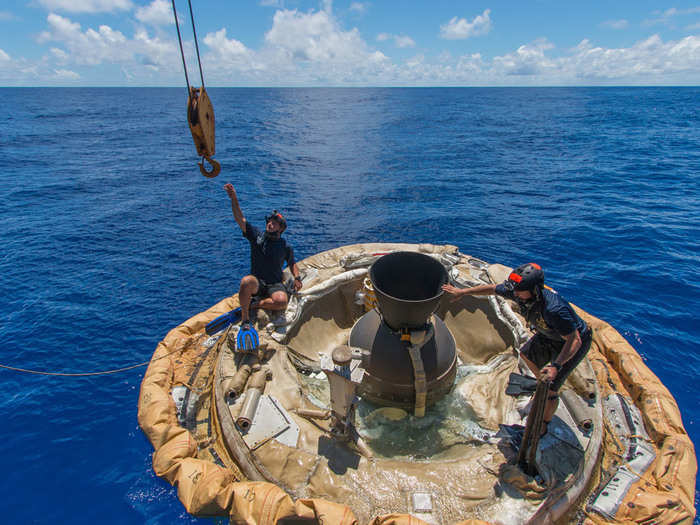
263,287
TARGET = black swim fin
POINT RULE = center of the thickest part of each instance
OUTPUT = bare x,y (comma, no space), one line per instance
519,384
223,321
247,339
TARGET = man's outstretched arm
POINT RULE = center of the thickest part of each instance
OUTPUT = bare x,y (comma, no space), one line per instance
458,293
235,207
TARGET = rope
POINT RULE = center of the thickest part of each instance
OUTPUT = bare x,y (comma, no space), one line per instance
86,374
182,51
196,44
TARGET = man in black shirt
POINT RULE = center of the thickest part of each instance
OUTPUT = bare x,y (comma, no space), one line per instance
561,338
268,252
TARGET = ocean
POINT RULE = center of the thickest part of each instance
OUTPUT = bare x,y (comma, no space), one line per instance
111,237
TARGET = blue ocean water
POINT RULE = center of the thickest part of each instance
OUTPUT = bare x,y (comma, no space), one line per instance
111,237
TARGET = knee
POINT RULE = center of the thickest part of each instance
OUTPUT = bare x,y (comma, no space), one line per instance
280,299
249,282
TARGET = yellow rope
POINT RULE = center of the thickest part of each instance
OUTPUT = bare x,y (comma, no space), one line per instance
86,374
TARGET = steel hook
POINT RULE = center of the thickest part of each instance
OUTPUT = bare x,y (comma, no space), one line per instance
215,167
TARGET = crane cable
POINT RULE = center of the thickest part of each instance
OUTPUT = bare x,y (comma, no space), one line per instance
182,51
196,42
200,112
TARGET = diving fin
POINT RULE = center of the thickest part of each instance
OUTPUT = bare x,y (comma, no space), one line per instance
247,339
223,321
519,384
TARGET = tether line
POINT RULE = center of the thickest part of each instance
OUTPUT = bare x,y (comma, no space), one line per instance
86,374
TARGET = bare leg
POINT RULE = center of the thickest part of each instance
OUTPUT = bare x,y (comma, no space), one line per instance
277,301
532,366
249,286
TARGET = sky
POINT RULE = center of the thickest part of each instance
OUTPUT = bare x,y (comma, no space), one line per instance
351,43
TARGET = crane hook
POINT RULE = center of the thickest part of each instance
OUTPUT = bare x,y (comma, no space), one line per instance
215,167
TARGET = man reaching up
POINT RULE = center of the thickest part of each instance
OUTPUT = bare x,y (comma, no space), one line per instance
263,287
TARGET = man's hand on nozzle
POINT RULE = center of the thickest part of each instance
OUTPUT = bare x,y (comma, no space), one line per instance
453,291
231,191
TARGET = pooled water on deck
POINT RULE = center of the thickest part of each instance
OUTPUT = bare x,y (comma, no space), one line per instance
398,434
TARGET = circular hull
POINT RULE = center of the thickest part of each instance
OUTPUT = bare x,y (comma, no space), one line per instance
184,412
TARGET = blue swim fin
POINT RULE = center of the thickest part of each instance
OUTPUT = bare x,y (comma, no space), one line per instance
223,321
247,339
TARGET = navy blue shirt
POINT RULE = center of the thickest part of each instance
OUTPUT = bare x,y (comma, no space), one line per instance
552,317
267,255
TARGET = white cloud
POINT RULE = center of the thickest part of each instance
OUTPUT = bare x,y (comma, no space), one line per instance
157,13
229,52
65,74
359,7
680,12
60,55
300,48
666,17
647,58
313,48
528,59
106,46
87,6
615,24
399,40
315,37
461,28
404,41
90,47
156,54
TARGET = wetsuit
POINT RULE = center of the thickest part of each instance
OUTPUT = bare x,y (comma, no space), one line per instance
267,256
551,318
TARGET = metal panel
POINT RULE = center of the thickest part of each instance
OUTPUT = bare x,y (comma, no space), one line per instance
626,422
185,403
270,421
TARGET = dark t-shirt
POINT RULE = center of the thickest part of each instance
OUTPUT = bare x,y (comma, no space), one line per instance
552,317
267,255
